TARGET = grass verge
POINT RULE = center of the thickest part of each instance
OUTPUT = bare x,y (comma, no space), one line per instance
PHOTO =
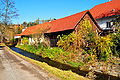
2,44
61,74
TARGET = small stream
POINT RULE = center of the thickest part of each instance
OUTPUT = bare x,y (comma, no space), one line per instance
25,53
62,66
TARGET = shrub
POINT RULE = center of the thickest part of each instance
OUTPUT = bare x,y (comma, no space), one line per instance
78,40
116,41
85,40
25,40
103,47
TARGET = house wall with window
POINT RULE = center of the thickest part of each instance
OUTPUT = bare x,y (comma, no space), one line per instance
106,23
106,13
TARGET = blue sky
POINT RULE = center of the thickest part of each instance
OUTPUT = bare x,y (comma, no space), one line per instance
30,10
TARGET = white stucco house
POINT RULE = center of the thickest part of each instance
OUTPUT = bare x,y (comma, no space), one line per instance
106,14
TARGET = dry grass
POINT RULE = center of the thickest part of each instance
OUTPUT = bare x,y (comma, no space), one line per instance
2,44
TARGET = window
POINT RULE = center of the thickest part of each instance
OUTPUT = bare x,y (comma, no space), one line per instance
109,24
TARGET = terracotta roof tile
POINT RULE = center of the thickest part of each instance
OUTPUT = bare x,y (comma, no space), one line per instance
106,9
62,24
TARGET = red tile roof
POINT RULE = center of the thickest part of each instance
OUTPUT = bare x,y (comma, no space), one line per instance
66,23
35,29
62,24
106,9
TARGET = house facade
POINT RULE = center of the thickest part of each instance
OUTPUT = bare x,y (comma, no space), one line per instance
63,26
106,14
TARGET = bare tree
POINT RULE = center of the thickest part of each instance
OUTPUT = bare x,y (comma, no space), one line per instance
7,13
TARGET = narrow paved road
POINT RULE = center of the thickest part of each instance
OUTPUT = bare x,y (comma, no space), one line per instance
13,67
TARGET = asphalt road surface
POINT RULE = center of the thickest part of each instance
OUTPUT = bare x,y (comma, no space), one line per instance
13,67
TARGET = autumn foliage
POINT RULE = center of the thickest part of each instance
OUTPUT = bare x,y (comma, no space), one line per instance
87,41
